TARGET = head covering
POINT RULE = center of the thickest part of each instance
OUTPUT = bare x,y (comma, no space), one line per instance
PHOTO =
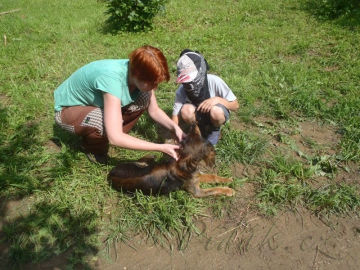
192,70
192,73
186,69
190,65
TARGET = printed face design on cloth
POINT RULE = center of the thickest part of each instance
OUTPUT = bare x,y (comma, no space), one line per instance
191,70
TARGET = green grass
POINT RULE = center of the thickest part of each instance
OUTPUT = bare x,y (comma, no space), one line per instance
282,61
287,182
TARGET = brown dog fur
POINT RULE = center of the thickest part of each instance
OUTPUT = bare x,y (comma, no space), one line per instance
165,177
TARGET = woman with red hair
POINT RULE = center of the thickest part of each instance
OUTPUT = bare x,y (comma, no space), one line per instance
103,100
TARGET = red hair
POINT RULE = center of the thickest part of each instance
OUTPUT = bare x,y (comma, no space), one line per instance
148,64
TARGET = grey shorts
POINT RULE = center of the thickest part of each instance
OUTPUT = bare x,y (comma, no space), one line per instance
225,110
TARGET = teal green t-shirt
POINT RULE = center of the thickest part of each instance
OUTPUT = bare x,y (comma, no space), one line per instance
85,86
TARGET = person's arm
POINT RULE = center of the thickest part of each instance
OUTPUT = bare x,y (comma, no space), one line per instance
207,104
162,118
178,103
222,95
175,119
113,122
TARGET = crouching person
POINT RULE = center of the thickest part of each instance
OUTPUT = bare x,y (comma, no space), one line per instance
202,97
103,100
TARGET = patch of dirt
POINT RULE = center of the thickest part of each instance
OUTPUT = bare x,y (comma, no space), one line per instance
293,58
236,124
331,68
10,210
308,137
313,136
53,146
4,99
13,208
349,173
240,170
289,241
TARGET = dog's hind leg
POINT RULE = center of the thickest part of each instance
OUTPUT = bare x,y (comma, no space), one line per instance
212,178
216,191
199,192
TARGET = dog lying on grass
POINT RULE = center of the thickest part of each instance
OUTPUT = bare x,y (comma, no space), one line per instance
164,177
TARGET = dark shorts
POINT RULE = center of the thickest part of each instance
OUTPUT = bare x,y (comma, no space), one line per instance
204,121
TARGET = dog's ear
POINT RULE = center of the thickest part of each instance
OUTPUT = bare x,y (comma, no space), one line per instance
195,130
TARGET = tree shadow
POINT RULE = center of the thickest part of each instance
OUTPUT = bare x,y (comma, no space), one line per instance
19,153
23,169
110,28
48,231
342,13
45,230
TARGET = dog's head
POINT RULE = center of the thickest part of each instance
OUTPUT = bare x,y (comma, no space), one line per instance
195,149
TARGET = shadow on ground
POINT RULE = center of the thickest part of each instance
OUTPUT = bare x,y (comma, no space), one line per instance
344,13
33,231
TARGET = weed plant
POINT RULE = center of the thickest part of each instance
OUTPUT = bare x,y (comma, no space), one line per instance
282,63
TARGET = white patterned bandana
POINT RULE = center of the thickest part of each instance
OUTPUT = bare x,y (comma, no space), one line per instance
192,73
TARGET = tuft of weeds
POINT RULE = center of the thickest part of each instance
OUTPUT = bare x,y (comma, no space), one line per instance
290,168
279,188
162,219
287,183
333,199
239,146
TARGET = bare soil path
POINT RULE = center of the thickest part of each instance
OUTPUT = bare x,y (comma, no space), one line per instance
292,240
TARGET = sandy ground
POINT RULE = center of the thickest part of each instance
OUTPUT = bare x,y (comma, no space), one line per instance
293,240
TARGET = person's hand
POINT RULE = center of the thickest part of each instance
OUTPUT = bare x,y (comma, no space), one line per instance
170,149
207,104
180,135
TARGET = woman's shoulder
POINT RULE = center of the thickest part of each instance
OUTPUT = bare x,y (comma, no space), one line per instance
109,64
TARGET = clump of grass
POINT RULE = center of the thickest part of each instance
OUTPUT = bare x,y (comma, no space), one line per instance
288,167
346,113
278,194
333,199
239,146
160,218
280,187
287,183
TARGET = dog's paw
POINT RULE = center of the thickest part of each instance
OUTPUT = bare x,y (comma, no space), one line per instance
229,192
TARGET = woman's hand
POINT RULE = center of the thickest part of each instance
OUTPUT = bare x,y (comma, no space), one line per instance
162,118
170,149
180,135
